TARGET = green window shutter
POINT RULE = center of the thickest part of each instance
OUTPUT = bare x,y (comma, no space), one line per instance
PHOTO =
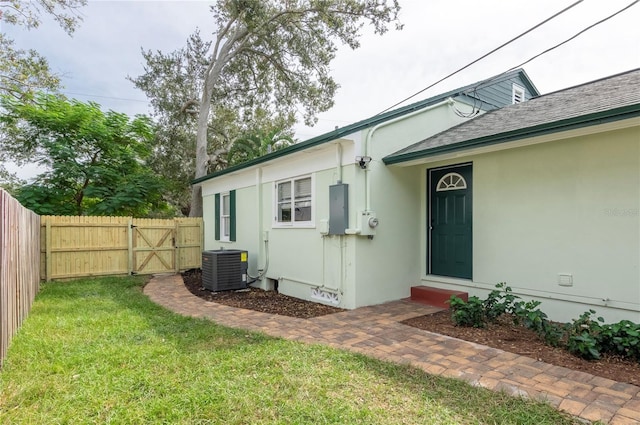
232,215
217,217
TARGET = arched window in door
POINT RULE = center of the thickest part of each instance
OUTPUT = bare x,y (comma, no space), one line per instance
451,181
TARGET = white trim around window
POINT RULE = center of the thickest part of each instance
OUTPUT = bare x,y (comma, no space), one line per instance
294,202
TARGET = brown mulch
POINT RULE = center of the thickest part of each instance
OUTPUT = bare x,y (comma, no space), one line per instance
270,302
520,340
502,335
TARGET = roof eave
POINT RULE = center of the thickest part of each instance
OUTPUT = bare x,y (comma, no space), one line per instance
352,128
602,117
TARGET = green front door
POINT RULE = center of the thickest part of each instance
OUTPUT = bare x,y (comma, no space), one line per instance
450,218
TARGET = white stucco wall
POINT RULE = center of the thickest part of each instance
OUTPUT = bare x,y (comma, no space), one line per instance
563,207
390,263
361,271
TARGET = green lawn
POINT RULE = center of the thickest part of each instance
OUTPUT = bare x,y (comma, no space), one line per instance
98,351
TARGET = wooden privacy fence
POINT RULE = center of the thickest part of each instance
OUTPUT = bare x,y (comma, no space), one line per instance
93,246
19,266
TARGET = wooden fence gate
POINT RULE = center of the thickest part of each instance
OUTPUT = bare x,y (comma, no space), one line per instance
93,246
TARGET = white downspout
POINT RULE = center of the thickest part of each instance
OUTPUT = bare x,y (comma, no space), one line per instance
367,184
263,239
339,161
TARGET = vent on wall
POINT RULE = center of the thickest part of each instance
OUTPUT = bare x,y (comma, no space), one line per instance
517,94
224,270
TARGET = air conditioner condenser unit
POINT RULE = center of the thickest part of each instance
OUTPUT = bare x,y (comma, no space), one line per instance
224,270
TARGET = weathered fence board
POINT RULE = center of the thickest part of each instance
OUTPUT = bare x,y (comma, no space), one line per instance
19,266
94,246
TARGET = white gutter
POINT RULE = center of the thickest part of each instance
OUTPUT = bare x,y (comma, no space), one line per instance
367,193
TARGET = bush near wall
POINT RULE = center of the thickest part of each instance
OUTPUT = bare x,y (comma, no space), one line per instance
587,336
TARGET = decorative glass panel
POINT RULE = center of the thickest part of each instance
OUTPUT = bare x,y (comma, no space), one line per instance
451,181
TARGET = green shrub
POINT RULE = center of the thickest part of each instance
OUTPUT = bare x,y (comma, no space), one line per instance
582,336
622,338
585,336
499,301
469,313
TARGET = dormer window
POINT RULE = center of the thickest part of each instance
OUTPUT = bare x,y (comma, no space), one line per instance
517,94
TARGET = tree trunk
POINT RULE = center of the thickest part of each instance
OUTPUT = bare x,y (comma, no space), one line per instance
202,158
196,201
218,61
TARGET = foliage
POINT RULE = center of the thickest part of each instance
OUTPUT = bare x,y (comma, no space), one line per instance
22,72
581,336
9,181
94,160
622,338
275,55
467,313
499,301
29,14
585,337
589,337
174,82
257,144
99,351
478,313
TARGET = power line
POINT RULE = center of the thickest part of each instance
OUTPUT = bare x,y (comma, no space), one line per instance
105,97
563,42
485,55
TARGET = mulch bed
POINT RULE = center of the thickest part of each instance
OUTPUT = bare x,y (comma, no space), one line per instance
502,335
520,340
270,302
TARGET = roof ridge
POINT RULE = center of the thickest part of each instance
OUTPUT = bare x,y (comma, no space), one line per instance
597,80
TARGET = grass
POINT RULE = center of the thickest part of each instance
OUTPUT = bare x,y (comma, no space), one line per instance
98,351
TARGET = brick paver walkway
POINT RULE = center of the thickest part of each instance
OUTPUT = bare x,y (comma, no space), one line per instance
376,332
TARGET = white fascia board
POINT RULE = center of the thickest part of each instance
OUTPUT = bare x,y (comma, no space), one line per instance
308,161
239,180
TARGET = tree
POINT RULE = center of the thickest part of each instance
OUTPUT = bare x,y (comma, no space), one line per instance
276,54
25,71
173,82
258,144
22,72
94,160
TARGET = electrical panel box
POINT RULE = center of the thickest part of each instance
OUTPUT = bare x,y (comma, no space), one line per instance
368,223
223,270
338,208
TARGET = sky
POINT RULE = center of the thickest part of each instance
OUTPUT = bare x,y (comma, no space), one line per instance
439,37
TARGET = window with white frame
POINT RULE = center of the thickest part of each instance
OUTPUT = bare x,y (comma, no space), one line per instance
294,201
225,216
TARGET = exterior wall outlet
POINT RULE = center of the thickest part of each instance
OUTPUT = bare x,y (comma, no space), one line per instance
565,279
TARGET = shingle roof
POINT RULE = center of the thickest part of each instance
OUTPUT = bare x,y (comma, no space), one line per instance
370,122
607,99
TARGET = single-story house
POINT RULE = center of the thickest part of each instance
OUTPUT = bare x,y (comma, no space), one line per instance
484,184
